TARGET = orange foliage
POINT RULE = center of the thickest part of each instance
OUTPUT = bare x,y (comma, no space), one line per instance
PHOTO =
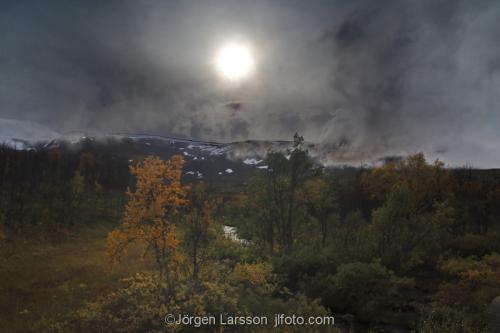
55,154
87,162
157,197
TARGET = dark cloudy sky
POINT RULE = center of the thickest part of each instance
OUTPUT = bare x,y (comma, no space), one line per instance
367,78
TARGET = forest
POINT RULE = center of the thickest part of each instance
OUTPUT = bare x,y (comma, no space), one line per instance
94,240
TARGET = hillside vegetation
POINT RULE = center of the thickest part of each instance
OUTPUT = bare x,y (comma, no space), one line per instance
94,240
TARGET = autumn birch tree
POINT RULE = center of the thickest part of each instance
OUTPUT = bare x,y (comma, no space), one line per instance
149,213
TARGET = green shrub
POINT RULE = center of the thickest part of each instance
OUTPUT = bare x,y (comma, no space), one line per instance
447,320
407,237
369,291
474,244
352,240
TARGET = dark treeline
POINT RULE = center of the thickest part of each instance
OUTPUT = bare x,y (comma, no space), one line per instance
53,188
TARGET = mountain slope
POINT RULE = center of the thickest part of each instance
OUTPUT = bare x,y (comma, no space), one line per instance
22,134
250,153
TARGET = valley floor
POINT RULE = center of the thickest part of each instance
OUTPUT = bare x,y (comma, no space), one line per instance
44,280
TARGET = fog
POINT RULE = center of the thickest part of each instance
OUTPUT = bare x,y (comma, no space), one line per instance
363,78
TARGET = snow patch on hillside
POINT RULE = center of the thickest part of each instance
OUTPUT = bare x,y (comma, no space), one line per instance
252,161
17,134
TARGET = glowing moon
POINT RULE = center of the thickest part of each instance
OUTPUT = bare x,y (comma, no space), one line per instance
234,61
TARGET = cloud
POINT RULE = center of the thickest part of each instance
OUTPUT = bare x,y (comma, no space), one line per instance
365,78
414,76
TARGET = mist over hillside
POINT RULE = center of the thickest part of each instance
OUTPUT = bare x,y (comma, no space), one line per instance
30,135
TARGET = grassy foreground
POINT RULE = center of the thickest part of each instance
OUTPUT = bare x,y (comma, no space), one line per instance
43,280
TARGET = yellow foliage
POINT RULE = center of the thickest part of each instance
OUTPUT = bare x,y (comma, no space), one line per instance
425,181
253,274
485,271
